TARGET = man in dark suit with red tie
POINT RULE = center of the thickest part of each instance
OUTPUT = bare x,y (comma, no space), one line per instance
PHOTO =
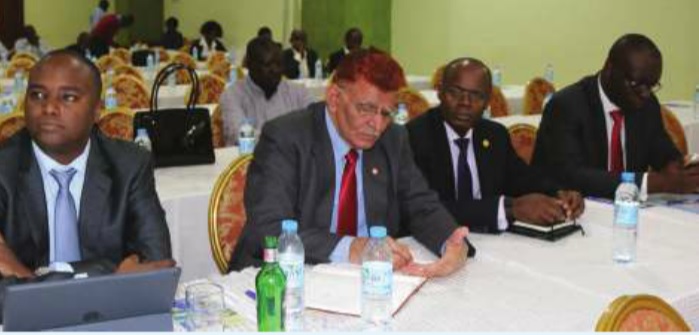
610,122
471,164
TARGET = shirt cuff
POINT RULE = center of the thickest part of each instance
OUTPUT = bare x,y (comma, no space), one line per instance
342,250
61,267
643,195
502,217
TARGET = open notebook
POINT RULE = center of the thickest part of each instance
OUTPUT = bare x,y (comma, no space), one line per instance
337,288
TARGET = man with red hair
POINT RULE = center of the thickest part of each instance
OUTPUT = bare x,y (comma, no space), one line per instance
340,167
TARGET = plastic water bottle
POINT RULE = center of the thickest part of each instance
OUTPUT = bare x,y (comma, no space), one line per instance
231,55
625,219
402,115
497,76
270,284
142,139
319,70
156,55
18,84
195,54
548,73
487,113
150,64
110,99
696,102
377,280
291,260
246,138
88,54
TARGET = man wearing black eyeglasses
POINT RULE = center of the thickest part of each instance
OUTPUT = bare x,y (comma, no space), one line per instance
472,165
611,122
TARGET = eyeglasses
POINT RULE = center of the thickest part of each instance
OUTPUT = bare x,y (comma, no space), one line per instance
368,109
636,86
459,93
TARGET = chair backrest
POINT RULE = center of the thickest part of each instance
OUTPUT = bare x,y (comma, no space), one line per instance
117,123
217,128
17,64
211,87
26,55
498,103
222,69
416,103
10,124
640,313
436,80
523,139
107,62
186,59
535,92
674,129
227,211
131,92
123,54
216,57
162,53
128,69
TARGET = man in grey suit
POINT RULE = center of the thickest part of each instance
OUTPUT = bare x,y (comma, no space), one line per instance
341,167
72,200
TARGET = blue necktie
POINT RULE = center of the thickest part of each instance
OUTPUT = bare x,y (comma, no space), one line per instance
465,189
65,219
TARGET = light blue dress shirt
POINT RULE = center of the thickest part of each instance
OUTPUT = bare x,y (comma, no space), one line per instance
340,148
51,187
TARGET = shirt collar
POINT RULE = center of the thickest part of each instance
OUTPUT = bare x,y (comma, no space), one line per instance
298,56
607,104
340,146
46,163
452,135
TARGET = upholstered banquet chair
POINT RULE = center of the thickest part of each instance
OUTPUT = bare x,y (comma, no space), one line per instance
107,62
498,103
131,92
211,87
416,103
123,54
117,123
674,129
128,69
222,69
227,211
186,59
19,64
216,57
11,124
535,92
27,55
640,313
217,128
523,139
163,56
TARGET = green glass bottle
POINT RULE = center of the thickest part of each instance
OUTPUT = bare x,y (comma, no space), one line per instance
270,284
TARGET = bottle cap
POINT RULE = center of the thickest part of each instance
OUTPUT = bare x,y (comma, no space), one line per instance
270,242
377,231
628,177
141,132
290,225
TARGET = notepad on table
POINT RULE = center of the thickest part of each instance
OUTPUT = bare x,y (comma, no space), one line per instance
336,288
550,233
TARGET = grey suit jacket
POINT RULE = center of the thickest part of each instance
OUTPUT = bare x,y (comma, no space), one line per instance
292,176
120,213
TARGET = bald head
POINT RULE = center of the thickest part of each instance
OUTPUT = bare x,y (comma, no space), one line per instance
464,93
79,61
467,64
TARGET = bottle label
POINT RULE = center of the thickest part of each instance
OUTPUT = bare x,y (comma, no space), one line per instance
377,278
626,214
293,269
270,255
246,145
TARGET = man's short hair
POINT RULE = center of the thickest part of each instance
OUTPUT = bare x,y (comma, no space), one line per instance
212,27
95,75
258,47
375,66
630,43
352,31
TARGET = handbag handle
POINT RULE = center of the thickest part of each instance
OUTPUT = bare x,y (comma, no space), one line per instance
163,74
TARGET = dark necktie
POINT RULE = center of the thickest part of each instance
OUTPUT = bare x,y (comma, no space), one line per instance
347,213
616,158
465,189
65,219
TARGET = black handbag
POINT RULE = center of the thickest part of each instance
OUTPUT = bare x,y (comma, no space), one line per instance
179,136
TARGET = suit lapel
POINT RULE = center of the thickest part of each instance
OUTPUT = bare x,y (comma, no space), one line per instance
375,181
599,124
324,166
94,205
482,149
442,164
32,198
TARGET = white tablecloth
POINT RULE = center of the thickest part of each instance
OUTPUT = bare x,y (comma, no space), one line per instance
514,94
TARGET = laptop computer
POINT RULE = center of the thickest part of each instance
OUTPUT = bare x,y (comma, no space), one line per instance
118,302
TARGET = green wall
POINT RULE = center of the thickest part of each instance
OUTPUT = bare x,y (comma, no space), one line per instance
522,36
59,22
326,22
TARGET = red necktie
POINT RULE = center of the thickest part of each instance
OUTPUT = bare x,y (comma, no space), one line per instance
616,158
347,213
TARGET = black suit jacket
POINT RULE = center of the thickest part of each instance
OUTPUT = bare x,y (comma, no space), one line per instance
120,213
291,65
500,170
572,140
334,60
293,176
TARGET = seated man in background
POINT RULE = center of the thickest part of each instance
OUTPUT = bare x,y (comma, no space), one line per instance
211,32
470,161
262,95
172,39
341,167
299,60
31,43
353,42
610,122
70,198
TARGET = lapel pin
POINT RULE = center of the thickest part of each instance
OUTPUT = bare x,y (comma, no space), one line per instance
374,171
486,144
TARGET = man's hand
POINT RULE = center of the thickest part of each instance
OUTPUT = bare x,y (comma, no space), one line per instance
675,178
133,264
453,258
573,204
401,253
538,209
10,265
